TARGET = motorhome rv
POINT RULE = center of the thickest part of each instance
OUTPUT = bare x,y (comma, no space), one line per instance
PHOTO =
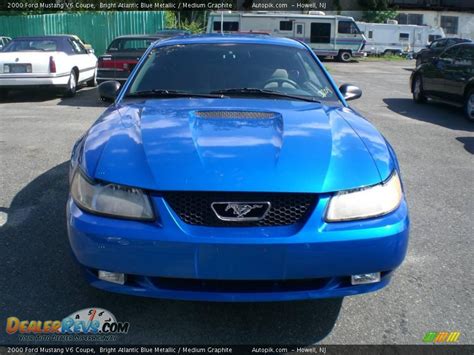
392,38
334,36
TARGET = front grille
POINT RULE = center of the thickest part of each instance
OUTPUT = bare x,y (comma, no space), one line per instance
238,285
235,114
286,208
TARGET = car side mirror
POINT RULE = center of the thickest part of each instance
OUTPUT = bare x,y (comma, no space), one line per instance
350,92
90,51
109,90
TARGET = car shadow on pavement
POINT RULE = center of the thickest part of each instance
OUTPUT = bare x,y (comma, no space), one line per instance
27,95
85,97
433,112
40,280
468,143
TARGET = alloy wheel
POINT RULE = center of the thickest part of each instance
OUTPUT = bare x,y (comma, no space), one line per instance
470,107
417,88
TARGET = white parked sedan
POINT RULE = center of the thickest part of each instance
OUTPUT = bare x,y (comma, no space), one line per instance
46,61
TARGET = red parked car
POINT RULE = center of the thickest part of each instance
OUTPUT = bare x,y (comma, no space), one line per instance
122,55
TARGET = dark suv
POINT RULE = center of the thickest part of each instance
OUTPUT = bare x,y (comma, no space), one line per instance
448,77
436,47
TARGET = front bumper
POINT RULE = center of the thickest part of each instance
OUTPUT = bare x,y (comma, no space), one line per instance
359,54
170,259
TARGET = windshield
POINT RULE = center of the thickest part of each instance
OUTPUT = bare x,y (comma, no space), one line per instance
211,68
130,44
44,45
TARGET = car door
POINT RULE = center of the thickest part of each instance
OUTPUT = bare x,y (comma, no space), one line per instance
445,72
84,60
299,31
434,74
459,73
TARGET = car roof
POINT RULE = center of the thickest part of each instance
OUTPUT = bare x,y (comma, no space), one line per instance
470,44
173,30
145,36
217,38
46,37
452,38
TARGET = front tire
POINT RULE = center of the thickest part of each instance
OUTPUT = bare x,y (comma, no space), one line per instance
71,85
344,57
418,93
469,105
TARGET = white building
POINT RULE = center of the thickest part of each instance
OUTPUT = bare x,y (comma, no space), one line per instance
454,23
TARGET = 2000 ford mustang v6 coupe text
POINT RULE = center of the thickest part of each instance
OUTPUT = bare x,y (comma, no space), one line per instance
230,168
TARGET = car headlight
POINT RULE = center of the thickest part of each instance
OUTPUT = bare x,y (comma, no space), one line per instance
367,202
110,199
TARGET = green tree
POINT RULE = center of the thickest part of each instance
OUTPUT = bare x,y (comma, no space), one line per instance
377,10
192,21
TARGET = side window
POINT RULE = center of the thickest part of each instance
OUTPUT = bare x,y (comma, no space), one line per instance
438,44
348,27
229,26
404,36
450,42
286,25
468,53
465,56
449,54
299,29
371,34
320,32
450,24
77,47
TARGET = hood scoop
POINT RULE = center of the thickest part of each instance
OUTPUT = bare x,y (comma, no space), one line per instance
249,115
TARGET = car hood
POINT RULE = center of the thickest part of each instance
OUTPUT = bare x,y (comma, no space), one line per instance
235,145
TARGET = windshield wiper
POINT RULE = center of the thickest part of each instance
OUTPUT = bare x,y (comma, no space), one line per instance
172,93
264,92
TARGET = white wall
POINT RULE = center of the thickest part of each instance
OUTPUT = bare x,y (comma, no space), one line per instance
433,18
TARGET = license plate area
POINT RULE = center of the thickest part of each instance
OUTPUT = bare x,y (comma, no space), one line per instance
17,68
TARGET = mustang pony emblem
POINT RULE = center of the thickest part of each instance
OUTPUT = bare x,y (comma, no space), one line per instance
240,211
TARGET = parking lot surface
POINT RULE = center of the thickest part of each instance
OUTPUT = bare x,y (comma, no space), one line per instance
432,291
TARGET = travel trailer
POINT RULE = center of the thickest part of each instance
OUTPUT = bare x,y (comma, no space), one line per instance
328,36
392,38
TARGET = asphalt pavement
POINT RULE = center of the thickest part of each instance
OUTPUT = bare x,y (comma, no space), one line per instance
432,291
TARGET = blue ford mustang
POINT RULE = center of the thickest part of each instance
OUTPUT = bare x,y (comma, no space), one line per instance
230,168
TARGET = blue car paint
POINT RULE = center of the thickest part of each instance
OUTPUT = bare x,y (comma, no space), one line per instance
161,145
257,155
